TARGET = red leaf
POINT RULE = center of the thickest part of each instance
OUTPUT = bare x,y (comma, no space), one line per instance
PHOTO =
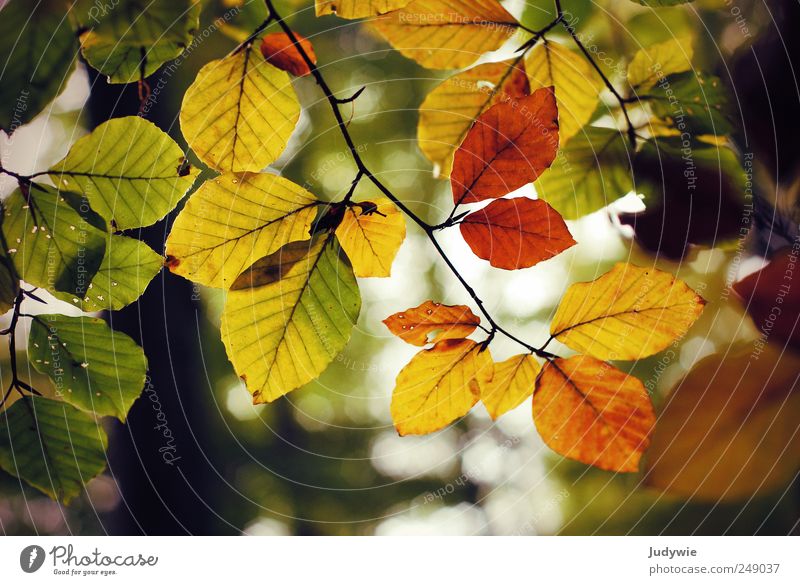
509,146
772,299
279,50
516,233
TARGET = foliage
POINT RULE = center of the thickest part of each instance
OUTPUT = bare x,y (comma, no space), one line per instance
289,262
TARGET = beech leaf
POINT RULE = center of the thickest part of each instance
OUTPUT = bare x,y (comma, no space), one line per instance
371,233
513,381
432,322
279,50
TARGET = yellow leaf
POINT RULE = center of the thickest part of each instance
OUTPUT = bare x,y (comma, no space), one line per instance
439,385
577,84
449,110
289,315
232,221
659,60
628,313
432,322
357,8
590,411
730,429
513,381
447,34
239,112
371,233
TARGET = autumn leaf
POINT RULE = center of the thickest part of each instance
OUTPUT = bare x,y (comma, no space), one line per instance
513,381
447,34
439,385
516,233
449,110
627,314
279,50
729,429
771,301
575,82
239,112
357,8
590,411
659,60
371,233
509,146
591,171
432,322
232,221
289,315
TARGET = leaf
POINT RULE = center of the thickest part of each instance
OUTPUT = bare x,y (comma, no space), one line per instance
695,103
729,430
432,322
576,84
9,280
51,445
590,172
659,60
52,245
516,233
449,110
92,367
371,233
627,314
232,221
447,34
513,381
38,51
771,301
590,411
661,3
439,385
131,172
132,39
127,268
279,50
694,197
509,146
357,8
239,112
289,315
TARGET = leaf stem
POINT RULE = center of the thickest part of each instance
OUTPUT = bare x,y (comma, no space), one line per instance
16,383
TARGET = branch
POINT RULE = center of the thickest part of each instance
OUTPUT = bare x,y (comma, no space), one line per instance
16,383
364,172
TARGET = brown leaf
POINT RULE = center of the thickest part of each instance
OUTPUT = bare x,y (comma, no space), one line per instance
516,233
279,50
771,300
730,428
590,411
432,322
509,146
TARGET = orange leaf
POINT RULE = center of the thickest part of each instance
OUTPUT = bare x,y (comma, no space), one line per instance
590,411
509,146
773,304
432,322
279,50
439,385
516,233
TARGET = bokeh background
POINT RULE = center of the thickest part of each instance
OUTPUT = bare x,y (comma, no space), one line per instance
325,459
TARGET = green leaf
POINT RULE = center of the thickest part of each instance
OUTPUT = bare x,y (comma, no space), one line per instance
289,315
93,368
659,60
127,268
695,103
232,221
239,112
661,3
134,38
37,53
590,172
53,245
9,280
51,445
131,172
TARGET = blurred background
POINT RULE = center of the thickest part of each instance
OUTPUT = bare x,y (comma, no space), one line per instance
326,459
